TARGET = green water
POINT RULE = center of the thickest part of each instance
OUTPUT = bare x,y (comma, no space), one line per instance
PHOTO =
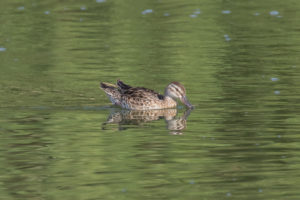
60,138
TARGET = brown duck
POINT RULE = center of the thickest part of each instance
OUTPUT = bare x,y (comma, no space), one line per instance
139,98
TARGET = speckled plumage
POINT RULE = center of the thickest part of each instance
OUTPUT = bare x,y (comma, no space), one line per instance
139,98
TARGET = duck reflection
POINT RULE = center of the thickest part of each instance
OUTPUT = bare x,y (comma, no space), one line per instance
138,117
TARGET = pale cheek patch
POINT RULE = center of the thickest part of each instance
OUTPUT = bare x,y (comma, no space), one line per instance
174,93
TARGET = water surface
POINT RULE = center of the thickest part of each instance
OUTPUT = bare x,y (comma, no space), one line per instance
61,139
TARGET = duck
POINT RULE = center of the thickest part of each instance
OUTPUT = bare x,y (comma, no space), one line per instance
140,98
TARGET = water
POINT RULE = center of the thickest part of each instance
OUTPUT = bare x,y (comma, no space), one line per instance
61,139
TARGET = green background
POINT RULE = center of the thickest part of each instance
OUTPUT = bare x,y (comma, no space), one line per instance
241,70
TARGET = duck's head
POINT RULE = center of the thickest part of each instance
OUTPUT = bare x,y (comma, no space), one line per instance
175,90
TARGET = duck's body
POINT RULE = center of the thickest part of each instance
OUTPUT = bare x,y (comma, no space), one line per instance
139,98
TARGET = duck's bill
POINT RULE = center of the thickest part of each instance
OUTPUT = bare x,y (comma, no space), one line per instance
186,102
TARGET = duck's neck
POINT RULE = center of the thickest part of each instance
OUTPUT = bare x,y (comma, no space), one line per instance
169,102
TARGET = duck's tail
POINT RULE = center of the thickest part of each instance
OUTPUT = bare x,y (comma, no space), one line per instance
112,91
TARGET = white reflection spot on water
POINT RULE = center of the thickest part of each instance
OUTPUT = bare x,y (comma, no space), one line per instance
276,92
228,194
167,14
227,38
256,14
226,11
2,49
192,182
47,12
21,8
82,8
81,19
274,12
100,1
274,79
147,11
260,190
124,190
197,12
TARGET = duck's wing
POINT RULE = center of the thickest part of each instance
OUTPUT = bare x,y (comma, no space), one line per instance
142,94
123,86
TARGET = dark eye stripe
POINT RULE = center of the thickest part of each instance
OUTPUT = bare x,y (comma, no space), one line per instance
178,85
178,89
173,90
